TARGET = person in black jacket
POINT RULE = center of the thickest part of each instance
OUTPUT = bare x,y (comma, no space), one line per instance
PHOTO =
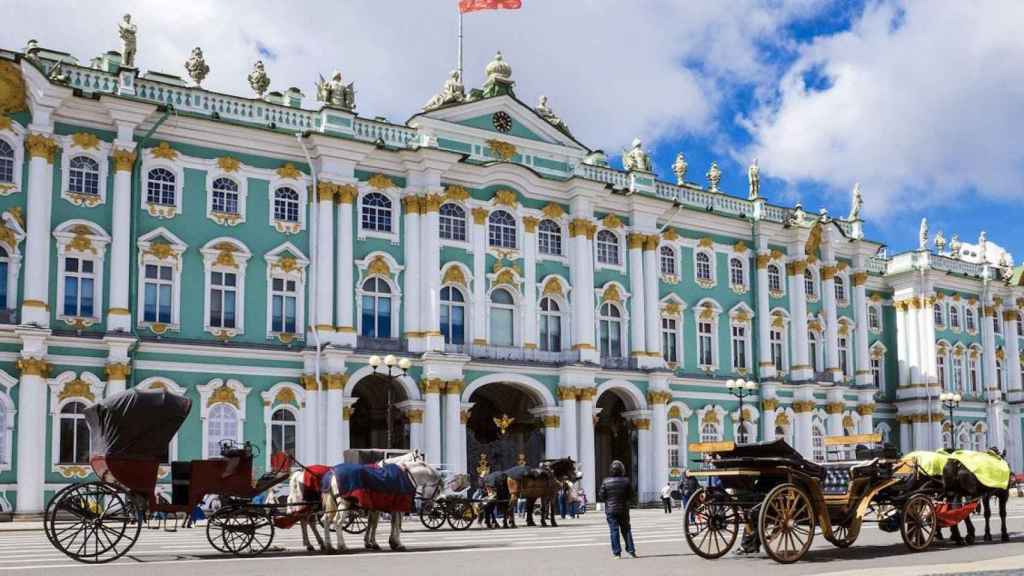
615,493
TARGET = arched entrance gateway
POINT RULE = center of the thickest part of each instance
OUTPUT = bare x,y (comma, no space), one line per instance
377,421
504,429
616,437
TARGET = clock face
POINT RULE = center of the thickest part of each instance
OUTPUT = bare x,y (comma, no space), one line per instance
502,122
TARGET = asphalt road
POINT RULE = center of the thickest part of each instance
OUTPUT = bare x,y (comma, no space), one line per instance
576,547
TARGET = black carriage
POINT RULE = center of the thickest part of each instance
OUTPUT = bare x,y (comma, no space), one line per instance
782,499
100,521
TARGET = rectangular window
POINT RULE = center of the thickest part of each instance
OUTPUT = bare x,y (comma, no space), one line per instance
223,297
958,374
739,347
940,365
669,340
876,371
501,326
611,345
550,333
704,344
283,303
844,356
3,284
79,285
777,357
158,287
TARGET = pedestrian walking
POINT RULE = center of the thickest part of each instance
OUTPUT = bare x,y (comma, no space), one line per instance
615,492
666,497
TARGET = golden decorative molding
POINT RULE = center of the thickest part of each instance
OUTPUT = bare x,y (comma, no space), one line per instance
76,388
288,171
479,215
834,408
378,266
672,309
848,424
5,122
769,404
41,146
659,396
505,276
584,394
454,275
611,221
228,164
431,385
551,421
285,396
706,242
118,370
123,159
456,193
163,151
552,287
502,150
762,261
346,412
866,409
325,191
670,234
85,140
859,278
530,224
782,419
642,423
828,273
225,255
635,241
710,417
12,88
414,415
411,204
431,203
505,197
380,182
582,227
1010,315
33,367
308,382
553,211
739,247
803,406
566,393
651,242
582,346
463,419
796,267
346,193
611,294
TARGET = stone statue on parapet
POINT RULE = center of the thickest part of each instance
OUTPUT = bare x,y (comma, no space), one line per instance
954,246
754,181
545,112
939,242
336,93
983,246
258,79
679,169
856,203
714,176
922,235
453,92
636,159
128,32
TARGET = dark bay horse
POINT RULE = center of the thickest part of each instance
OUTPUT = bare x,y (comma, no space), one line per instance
962,484
543,483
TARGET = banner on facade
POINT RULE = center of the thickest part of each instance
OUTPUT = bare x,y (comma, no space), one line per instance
475,5
856,439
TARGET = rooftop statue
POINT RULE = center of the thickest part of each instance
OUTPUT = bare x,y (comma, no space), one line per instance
636,160
982,245
714,176
258,79
922,235
127,31
453,92
679,169
754,181
940,242
545,112
798,215
336,93
954,246
856,203
196,66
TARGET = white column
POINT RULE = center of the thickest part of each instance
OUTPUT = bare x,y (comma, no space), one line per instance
334,414
903,327
637,314
866,410
39,198
828,296
311,432
1012,346
835,418
587,455
988,343
325,260
652,304
860,308
346,326
914,340
764,319
432,418
1016,440
530,334
659,435
769,405
800,369
430,271
906,436
118,363
32,395
645,453
922,432
415,417
412,312
581,269
567,397
119,317
452,426
479,305
552,435
929,368
802,431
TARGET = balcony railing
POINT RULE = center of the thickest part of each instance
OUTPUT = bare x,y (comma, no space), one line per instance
513,354
381,344
619,363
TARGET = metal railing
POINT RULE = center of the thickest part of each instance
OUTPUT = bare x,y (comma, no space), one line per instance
513,354
619,363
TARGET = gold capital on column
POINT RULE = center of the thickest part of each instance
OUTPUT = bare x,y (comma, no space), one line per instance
33,367
769,404
325,191
566,393
651,242
309,382
41,146
118,370
431,385
552,421
635,241
834,408
454,386
859,278
345,193
464,418
530,224
414,415
337,381
642,423
123,159
866,409
346,412
586,393
803,406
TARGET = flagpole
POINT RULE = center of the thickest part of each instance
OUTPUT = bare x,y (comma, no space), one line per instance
460,47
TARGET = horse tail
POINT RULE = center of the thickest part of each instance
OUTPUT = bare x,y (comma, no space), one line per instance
295,491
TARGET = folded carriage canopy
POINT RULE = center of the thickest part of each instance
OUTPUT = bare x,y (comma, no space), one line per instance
135,424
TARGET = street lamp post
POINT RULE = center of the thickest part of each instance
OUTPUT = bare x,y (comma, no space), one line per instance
950,401
741,388
389,362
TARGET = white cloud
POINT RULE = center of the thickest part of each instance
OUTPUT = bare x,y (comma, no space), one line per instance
924,104
656,69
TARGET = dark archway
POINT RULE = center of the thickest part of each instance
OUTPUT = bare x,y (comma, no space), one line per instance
376,420
502,429
615,438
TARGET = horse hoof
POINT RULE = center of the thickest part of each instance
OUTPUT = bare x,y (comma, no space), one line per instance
398,548
988,537
1005,537
310,549
970,540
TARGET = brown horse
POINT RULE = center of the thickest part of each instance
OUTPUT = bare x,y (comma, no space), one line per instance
543,483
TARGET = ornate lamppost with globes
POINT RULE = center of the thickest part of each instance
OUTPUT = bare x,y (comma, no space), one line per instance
741,388
950,401
393,367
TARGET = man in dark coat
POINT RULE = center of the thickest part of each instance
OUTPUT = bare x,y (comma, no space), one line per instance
615,492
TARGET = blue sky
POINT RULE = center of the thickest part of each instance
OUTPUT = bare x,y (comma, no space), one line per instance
921,102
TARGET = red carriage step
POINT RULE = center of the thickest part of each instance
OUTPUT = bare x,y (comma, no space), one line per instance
949,516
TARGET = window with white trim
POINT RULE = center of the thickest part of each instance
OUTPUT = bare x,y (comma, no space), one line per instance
874,318
969,320
844,356
777,341
79,278
954,317
284,297
610,331
158,293
222,426
814,351
997,324
549,238
501,230
958,371
608,248
739,347
876,371
283,432
973,374
74,435
709,432
1020,324
674,441
376,308
668,261
161,187
810,286
452,222
286,205
774,280
705,344
6,162
225,196
502,314
550,325
376,213
703,267
737,275
940,367
223,299
453,315
84,176
744,432
670,339
840,286
818,442
940,318
1000,375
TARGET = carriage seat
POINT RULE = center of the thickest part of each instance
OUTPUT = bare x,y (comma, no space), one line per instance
837,478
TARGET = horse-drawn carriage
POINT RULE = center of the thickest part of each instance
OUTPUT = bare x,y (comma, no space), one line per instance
100,521
782,498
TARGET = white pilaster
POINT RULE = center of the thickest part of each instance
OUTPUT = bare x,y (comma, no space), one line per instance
334,385
769,406
903,326
587,455
801,369
430,271
119,316
567,400
646,489
866,409
581,269
118,363
530,334
828,297
454,431
637,314
988,343
834,408
32,395
906,435
1012,346
325,262
346,414
860,308
35,306
479,304
658,398
652,304
346,327
411,309
432,421
803,407
764,319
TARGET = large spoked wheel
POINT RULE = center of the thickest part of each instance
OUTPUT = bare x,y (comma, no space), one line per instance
711,523
239,531
919,524
461,515
786,523
94,523
433,515
356,521
841,536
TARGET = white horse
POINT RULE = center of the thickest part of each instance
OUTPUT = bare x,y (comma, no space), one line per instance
426,479
298,505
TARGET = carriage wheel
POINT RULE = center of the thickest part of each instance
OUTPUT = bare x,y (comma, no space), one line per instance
432,515
786,523
94,523
920,524
240,531
356,521
711,523
461,515
841,536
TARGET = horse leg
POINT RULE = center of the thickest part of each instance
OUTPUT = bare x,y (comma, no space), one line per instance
988,517
330,511
370,540
395,541
970,529
553,507
1003,496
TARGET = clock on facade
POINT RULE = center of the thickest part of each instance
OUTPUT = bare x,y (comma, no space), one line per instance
502,122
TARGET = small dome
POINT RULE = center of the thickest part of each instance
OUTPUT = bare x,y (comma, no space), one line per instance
498,68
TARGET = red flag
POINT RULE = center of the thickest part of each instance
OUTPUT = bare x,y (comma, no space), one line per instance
474,5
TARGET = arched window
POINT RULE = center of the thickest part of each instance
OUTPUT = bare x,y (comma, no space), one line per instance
453,315
954,317
963,440
501,229
610,328
774,279
221,426
1020,324
708,432
160,187
840,283
668,261
702,263
940,318
502,318
818,443
5,263
736,276
74,434
739,347
673,444
452,222
549,238
282,432
376,215
608,248
550,326
286,205
877,373
225,196
809,287
844,356
979,440
1000,375
376,308
969,323
84,176
744,432
6,162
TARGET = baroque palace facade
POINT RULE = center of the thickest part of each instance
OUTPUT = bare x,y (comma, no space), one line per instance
253,255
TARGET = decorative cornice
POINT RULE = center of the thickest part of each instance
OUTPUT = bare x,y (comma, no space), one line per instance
803,406
118,370
566,393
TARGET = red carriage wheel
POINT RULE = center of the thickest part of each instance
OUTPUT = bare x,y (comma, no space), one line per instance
94,523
